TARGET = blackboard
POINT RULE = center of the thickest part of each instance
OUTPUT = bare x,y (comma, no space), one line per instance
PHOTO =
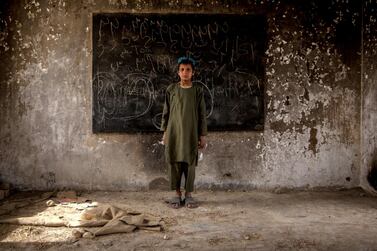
135,59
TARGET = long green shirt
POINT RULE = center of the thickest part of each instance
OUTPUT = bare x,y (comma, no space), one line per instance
184,120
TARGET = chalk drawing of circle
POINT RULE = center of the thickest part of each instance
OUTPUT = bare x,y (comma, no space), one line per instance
211,96
104,84
156,120
139,85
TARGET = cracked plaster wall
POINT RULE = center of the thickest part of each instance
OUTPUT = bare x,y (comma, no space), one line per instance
369,96
312,130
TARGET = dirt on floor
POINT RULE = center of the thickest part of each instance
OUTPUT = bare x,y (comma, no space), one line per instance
224,220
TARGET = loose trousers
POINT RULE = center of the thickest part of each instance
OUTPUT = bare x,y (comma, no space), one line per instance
176,171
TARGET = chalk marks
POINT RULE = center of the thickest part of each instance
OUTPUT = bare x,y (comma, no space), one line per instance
140,34
211,99
133,94
156,120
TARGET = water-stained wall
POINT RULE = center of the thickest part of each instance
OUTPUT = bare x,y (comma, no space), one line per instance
311,136
368,174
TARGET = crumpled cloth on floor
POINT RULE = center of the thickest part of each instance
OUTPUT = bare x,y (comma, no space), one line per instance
110,219
120,221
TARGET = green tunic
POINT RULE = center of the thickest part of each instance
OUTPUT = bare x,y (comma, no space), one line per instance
184,120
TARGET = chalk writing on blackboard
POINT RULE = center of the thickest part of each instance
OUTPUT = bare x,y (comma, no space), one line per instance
134,60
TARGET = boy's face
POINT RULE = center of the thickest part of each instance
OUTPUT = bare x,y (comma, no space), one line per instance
185,72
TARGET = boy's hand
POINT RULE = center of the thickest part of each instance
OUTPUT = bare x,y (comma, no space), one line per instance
202,142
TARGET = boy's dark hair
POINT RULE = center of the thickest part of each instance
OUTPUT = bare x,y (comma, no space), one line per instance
186,60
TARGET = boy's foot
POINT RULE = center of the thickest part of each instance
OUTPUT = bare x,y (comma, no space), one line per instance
190,202
174,202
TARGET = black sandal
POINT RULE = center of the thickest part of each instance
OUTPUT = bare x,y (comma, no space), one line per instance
174,202
190,202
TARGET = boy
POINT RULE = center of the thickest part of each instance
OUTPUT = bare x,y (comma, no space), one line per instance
184,125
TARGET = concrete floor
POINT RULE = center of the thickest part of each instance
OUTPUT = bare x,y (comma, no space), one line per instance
339,220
